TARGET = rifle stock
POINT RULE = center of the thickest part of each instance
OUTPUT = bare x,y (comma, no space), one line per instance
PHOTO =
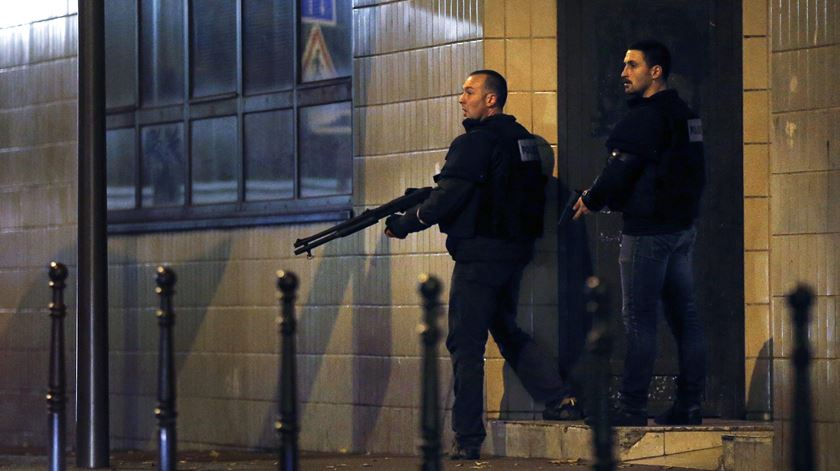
369,217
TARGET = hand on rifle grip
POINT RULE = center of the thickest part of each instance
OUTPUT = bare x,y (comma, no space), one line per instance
391,227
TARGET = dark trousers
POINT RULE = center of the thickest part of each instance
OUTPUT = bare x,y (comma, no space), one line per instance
482,298
657,269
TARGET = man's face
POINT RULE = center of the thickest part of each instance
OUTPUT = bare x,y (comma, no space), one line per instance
475,101
636,76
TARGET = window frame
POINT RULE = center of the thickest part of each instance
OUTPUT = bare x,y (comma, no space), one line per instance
241,213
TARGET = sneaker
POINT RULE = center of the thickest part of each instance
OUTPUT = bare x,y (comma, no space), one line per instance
679,414
566,409
464,453
623,417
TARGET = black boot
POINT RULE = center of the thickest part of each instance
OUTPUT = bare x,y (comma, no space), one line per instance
566,409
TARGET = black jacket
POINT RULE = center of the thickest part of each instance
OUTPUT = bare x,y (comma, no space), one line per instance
656,172
472,202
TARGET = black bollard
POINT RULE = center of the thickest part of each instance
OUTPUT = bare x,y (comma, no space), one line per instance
430,288
599,346
56,397
287,422
165,410
800,301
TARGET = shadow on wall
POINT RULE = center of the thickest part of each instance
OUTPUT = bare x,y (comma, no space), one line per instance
371,335
551,332
133,343
321,389
760,397
134,334
566,323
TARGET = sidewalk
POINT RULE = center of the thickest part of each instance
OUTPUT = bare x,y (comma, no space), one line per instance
253,461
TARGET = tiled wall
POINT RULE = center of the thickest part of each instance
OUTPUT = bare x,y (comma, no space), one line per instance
38,90
758,341
805,190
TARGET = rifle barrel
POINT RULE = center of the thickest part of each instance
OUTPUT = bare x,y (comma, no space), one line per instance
369,217
335,233
337,227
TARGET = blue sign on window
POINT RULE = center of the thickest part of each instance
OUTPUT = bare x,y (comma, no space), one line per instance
317,11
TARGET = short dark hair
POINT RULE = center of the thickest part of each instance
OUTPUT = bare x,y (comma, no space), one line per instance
655,54
496,83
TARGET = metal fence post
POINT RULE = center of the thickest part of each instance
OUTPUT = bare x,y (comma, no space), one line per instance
56,397
165,410
800,301
287,422
599,345
430,288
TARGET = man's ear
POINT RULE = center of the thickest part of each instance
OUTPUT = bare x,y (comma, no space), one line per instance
490,98
656,72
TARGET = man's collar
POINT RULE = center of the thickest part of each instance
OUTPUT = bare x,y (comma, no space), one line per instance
470,123
636,100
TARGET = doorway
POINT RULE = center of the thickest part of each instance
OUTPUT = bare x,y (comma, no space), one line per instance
704,37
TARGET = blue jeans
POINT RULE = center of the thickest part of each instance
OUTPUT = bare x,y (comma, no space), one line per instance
657,269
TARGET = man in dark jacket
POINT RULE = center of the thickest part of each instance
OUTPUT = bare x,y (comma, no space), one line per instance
489,201
655,176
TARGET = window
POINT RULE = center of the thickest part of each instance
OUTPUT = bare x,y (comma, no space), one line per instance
227,112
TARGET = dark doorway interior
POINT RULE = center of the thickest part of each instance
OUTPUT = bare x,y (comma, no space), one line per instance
704,38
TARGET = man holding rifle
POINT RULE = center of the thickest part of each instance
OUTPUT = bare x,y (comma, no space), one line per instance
489,201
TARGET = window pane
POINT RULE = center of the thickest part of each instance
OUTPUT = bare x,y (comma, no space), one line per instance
120,52
325,39
161,52
326,150
268,30
163,165
269,155
213,41
214,160
119,154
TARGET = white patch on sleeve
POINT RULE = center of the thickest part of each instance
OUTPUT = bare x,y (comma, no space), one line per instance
695,130
529,150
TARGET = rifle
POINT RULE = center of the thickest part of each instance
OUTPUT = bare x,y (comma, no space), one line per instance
369,217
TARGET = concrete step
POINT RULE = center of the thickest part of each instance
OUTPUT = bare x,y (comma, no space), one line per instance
747,453
699,447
